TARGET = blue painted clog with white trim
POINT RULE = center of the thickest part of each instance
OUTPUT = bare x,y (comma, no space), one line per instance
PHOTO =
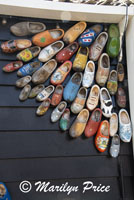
29,68
125,129
72,87
4,194
89,35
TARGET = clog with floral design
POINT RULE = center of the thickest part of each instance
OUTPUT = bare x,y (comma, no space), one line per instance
29,53
61,73
4,194
13,66
102,137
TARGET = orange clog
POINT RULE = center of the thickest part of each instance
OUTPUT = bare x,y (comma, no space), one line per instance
61,73
47,37
57,96
102,137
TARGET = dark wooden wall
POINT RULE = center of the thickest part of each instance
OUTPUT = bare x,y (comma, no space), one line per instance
31,148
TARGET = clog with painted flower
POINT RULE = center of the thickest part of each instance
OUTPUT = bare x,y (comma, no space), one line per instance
29,69
93,97
65,120
25,93
28,54
45,93
47,37
57,95
125,128
79,124
36,90
13,66
97,47
61,73
88,76
12,46
66,53
113,44
42,74
80,100
58,111
27,28
89,35
4,194
48,52
120,72
73,33
112,83
113,124
102,136
80,60
103,69
72,87
93,123
23,81
42,109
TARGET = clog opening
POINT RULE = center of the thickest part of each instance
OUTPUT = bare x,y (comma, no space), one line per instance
83,116
124,117
65,67
73,47
102,38
61,107
36,26
35,64
116,140
16,65
59,89
22,44
97,28
105,128
45,103
57,46
105,61
56,33
82,93
2,191
120,68
49,89
90,67
83,50
76,78
105,95
113,75
35,50
50,66
95,91
96,116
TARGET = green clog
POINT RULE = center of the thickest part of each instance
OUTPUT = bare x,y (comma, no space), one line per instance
65,120
113,44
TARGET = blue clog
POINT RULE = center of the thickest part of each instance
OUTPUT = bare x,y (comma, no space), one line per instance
72,87
87,38
4,194
29,68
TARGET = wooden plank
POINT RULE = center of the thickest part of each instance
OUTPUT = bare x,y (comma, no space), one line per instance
65,11
114,192
49,144
62,168
26,119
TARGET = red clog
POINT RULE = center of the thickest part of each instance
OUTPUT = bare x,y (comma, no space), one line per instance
93,123
57,96
66,53
12,66
102,137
